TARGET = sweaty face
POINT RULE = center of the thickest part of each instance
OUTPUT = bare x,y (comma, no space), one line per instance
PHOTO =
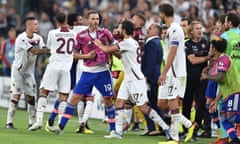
93,20
219,28
164,33
184,25
151,31
161,15
33,25
197,30
79,20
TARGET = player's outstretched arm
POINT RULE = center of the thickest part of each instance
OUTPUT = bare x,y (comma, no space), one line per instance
90,55
106,48
37,51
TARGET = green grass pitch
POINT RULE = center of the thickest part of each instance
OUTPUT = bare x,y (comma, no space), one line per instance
22,136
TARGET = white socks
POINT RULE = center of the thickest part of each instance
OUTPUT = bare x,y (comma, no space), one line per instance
87,111
119,120
157,119
80,110
31,113
128,115
175,119
11,111
42,103
186,122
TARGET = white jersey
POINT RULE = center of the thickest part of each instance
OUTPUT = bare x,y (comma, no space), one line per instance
79,28
24,59
175,37
129,49
60,42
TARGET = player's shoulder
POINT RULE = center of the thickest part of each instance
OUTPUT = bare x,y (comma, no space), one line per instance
130,42
104,30
224,58
21,37
36,35
83,33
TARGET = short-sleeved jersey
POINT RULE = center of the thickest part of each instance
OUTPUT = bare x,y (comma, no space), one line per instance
24,59
60,42
175,37
85,44
132,67
79,28
199,49
230,84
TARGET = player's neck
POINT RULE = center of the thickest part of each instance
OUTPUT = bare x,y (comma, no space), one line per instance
29,34
61,25
127,36
217,55
196,39
92,30
169,21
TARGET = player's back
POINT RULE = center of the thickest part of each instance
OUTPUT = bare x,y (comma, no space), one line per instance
130,59
61,42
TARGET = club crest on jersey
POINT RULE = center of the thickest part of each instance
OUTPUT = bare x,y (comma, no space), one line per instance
34,41
203,46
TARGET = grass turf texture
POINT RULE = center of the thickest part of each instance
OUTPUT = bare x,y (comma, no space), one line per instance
22,136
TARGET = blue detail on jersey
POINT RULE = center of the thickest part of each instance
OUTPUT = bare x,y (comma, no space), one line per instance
175,43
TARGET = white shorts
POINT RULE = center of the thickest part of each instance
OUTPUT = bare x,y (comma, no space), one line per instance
23,82
135,91
54,79
174,87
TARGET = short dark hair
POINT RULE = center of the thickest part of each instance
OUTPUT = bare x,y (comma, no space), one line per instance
61,17
233,18
167,9
141,16
95,12
219,44
189,20
221,18
128,27
72,18
29,19
92,12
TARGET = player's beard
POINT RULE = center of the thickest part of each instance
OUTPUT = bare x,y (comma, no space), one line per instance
163,21
95,25
121,35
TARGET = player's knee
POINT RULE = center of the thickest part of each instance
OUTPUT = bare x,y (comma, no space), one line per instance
89,98
128,105
223,117
163,105
15,98
144,108
63,97
31,100
108,102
